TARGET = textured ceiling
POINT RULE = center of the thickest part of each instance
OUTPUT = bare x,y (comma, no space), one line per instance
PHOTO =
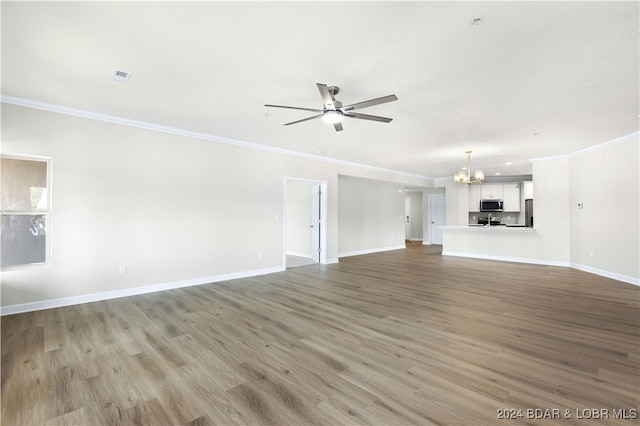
534,79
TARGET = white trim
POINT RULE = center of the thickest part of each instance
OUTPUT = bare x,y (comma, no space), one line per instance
299,254
369,251
589,149
603,273
115,294
606,274
506,258
442,180
13,100
107,295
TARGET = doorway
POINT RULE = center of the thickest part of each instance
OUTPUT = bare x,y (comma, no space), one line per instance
437,217
407,218
304,222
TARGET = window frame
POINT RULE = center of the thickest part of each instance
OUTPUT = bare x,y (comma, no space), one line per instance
47,212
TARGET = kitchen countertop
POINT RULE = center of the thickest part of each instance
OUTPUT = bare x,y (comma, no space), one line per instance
483,228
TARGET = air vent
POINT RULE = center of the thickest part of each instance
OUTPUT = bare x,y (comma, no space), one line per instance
120,76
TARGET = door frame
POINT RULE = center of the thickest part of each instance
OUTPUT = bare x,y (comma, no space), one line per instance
407,219
431,223
323,215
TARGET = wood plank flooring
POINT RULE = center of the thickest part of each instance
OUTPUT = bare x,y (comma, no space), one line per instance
403,337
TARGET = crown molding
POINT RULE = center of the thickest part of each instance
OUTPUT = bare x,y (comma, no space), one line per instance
44,106
597,147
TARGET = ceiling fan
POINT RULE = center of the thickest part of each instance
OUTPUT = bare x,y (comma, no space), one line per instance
333,111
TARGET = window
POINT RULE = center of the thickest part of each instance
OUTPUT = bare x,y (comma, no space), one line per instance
24,204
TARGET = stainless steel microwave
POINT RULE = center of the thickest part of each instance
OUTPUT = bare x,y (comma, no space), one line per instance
491,206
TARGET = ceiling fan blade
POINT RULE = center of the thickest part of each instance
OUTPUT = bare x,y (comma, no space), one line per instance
370,102
337,126
304,119
326,96
367,117
292,107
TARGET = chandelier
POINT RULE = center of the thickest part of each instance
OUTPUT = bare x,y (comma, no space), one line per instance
465,176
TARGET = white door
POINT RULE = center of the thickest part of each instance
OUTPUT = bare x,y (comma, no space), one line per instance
437,215
316,221
407,218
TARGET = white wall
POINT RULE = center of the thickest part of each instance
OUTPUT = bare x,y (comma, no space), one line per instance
371,216
605,232
456,201
175,210
159,204
551,219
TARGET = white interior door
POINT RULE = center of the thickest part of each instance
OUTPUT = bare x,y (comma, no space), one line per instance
407,219
316,222
437,215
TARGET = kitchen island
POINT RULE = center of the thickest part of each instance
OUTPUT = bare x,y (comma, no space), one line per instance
499,242
509,228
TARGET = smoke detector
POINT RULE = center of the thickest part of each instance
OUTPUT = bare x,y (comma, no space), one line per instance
120,76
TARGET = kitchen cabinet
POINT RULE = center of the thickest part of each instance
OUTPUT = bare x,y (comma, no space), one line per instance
491,191
474,198
528,190
508,192
511,197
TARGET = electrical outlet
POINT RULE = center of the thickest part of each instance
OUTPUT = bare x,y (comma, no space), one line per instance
122,270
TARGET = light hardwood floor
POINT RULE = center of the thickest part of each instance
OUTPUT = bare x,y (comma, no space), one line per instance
401,337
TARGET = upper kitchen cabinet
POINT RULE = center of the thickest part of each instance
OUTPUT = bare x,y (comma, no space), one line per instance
508,192
528,190
491,192
511,197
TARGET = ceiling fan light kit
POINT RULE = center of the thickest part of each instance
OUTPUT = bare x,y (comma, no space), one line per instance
465,176
332,117
333,112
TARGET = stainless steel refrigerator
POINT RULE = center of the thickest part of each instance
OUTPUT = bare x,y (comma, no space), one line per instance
528,213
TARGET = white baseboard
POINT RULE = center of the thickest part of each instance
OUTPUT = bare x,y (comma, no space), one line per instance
506,258
95,297
603,273
295,253
369,251
106,295
607,274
